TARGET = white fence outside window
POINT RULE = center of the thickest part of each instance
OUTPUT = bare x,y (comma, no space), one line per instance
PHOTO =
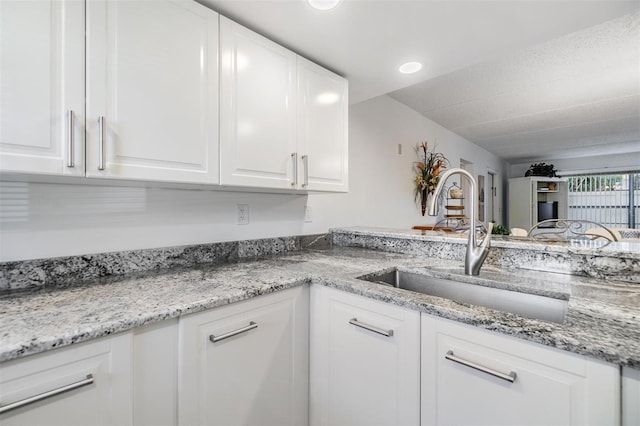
611,200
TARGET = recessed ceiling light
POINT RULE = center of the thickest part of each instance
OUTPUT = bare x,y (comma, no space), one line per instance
410,67
324,4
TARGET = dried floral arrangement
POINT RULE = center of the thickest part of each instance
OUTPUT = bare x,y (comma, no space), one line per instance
428,171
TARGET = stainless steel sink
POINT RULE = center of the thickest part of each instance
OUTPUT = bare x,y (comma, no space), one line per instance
528,305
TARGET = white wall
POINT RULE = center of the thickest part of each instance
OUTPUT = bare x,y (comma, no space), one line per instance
46,220
381,180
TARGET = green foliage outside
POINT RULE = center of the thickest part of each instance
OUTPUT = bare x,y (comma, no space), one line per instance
500,230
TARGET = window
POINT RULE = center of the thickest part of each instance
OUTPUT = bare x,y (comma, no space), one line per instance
610,199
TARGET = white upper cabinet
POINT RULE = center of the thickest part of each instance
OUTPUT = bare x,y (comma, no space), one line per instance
257,109
323,128
283,119
42,86
152,91
173,92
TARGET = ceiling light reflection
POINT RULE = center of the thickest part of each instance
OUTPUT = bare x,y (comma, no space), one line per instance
327,98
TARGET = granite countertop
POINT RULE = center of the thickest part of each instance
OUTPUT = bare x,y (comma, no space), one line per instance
602,319
625,248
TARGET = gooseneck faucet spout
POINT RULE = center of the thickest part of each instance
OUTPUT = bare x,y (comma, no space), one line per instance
476,253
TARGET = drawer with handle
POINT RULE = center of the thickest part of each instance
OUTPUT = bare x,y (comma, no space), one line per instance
82,384
470,374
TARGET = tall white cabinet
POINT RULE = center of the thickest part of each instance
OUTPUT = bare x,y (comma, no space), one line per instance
526,193
152,89
42,87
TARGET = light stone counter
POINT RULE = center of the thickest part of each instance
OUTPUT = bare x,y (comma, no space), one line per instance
619,261
602,319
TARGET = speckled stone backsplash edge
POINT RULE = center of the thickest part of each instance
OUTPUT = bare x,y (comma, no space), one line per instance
27,274
603,266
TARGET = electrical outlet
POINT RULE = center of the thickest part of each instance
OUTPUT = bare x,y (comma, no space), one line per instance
243,214
308,214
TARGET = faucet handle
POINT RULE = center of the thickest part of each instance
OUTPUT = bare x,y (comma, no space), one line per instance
486,241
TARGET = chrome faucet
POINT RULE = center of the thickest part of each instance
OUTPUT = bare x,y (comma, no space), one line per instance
476,253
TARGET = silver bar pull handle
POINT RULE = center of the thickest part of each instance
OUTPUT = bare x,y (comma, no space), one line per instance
215,339
305,163
87,381
510,377
294,160
387,333
70,154
101,143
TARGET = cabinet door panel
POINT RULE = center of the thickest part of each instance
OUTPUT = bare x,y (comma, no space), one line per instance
551,387
259,376
153,77
630,396
106,401
41,81
466,395
155,374
357,375
257,109
322,128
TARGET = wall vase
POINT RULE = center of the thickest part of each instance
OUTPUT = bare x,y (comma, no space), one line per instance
423,199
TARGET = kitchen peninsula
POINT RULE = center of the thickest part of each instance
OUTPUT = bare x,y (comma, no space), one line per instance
55,311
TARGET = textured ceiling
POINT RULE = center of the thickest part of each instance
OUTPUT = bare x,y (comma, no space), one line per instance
572,96
577,95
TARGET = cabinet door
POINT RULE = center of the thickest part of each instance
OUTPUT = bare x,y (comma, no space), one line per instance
42,86
630,396
152,82
359,376
155,374
256,371
257,109
96,376
323,128
549,387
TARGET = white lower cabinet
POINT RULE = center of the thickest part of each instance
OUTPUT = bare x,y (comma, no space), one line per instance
630,397
472,376
246,363
365,361
85,384
155,374
359,362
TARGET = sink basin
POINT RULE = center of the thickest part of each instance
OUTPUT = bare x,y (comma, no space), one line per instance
528,305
